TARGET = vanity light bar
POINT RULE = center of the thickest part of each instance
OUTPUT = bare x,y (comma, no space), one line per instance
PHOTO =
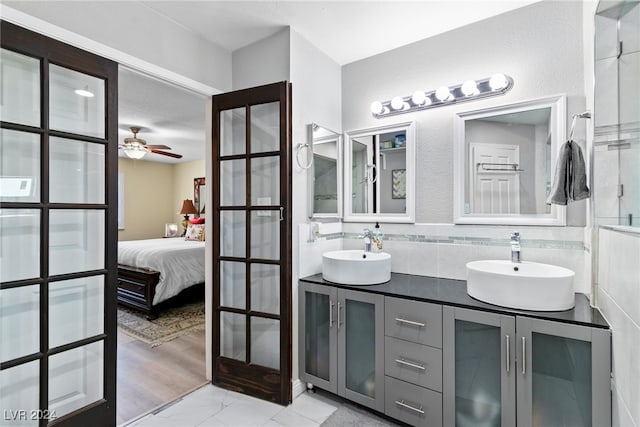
498,84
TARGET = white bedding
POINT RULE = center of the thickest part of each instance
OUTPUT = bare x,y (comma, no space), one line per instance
180,262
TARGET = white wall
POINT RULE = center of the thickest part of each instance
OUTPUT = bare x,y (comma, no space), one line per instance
133,28
618,283
263,62
540,46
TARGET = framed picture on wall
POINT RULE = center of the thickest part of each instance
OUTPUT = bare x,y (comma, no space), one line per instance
399,184
171,230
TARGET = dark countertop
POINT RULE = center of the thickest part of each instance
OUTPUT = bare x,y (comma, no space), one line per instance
454,293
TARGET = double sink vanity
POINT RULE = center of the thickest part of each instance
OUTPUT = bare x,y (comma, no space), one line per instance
423,351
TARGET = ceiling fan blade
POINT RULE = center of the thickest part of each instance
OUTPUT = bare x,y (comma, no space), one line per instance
158,147
164,153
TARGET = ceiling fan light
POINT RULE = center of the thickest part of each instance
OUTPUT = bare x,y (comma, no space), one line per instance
134,152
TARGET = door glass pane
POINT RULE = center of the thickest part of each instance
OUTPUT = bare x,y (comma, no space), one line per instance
19,244
265,342
233,284
265,181
265,127
233,229
316,336
265,234
233,131
561,381
20,90
265,288
360,353
77,171
19,166
478,374
75,378
76,102
19,390
233,336
76,240
19,322
76,310
233,180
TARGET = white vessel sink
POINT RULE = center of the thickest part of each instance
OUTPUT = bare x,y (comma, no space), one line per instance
356,267
525,286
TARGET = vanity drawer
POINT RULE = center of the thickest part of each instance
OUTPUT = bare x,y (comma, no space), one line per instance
414,321
411,404
415,363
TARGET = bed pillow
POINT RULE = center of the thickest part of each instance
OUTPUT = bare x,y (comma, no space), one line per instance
197,220
195,232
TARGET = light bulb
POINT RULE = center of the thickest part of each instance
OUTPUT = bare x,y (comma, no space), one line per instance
498,81
469,88
418,97
442,93
134,152
377,107
397,103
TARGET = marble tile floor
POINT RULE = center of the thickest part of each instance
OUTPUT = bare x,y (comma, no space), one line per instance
211,406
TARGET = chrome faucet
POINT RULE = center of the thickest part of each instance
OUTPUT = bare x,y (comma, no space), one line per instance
515,246
367,235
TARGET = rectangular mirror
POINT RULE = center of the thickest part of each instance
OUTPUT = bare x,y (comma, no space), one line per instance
324,173
379,174
504,158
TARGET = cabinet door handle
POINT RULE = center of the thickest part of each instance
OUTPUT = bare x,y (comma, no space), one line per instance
524,355
339,308
410,322
413,365
508,347
330,314
413,408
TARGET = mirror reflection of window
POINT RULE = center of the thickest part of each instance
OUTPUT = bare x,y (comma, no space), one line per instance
324,173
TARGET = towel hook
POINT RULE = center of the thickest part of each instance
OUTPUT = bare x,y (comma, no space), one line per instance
585,115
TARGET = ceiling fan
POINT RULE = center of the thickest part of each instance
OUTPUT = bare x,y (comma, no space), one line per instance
136,148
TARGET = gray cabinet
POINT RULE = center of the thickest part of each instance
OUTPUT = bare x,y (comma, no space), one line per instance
342,343
561,372
413,362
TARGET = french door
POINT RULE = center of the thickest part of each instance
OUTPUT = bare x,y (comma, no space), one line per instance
58,216
252,241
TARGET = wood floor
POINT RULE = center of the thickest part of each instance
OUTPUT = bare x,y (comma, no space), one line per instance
151,377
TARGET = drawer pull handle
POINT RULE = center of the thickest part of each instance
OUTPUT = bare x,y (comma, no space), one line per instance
413,365
410,322
413,408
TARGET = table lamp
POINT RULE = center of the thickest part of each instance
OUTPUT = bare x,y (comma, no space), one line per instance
187,209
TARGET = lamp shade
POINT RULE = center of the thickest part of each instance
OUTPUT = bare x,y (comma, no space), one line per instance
188,208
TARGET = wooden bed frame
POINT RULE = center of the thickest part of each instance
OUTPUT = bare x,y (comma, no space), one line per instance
137,287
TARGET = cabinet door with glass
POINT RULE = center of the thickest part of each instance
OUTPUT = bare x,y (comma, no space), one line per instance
318,336
479,378
563,374
360,327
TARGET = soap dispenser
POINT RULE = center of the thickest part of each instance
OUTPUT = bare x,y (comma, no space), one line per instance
376,244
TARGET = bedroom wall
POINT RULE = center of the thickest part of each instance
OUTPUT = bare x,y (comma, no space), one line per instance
148,198
183,175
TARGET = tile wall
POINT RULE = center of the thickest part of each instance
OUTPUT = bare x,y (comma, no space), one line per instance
618,281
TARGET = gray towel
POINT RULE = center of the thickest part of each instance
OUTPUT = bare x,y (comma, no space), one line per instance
560,189
578,186
570,179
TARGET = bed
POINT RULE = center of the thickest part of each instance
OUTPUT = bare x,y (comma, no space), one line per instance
154,271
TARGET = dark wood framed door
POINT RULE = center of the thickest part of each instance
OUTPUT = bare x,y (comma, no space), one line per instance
252,241
58,231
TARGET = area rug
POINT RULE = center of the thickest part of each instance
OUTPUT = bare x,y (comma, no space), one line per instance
170,324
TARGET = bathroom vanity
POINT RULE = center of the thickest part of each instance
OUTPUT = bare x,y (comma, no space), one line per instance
420,350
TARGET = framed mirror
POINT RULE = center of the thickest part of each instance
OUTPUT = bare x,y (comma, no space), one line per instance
325,173
379,174
199,192
504,158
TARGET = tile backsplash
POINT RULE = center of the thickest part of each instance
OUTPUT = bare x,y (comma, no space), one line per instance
443,250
